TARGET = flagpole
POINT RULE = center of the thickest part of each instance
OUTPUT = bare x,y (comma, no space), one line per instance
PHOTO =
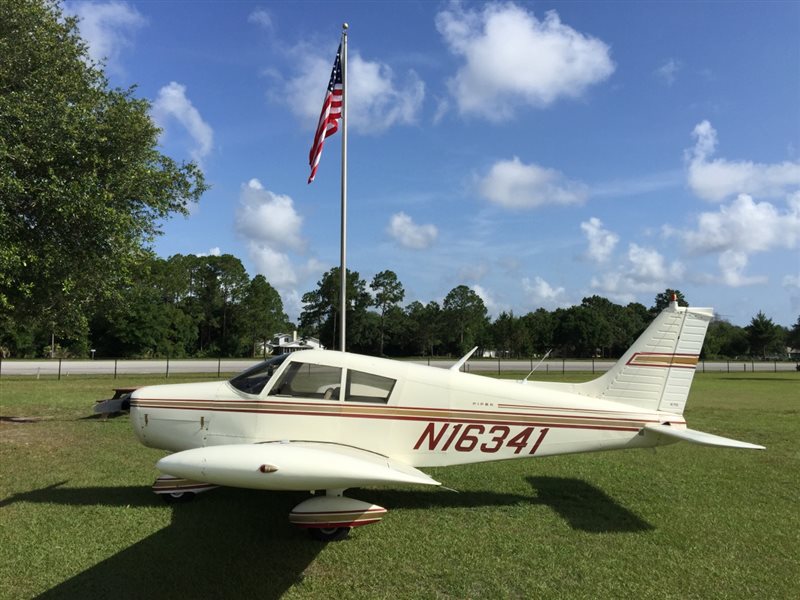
343,250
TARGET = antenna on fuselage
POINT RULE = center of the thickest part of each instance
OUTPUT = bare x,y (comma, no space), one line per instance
544,358
463,359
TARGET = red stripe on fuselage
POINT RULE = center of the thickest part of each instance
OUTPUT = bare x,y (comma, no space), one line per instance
480,416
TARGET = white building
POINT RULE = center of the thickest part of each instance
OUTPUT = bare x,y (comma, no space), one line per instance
283,343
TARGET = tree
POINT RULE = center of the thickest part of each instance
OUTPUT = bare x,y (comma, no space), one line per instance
508,334
321,307
388,292
398,327
635,319
82,182
539,326
763,335
663,299
793,339
424,327
262,314
145,322
465,318
608,319
580,331
724,340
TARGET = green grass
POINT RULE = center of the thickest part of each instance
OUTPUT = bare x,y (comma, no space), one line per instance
77,519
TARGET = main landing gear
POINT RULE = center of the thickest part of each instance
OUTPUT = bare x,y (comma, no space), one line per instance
330,518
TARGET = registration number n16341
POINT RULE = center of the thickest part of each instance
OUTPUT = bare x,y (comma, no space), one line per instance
467,437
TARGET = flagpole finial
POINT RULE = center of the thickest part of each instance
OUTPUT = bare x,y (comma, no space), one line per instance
345,26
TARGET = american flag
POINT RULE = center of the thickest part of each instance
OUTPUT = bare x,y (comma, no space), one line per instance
330,115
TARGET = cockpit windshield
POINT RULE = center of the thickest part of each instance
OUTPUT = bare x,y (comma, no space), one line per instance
255,378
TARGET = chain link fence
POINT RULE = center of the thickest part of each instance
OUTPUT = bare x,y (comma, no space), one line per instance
222,367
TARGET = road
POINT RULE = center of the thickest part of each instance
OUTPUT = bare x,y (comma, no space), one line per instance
52,367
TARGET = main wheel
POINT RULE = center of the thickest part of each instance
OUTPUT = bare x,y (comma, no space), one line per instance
178,497
329,534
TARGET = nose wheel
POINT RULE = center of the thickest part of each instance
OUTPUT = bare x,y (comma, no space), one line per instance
174,490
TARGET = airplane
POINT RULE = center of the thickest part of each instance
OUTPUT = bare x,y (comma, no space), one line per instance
325,421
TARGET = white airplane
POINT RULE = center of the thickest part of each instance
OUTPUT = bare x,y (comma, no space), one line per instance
326,421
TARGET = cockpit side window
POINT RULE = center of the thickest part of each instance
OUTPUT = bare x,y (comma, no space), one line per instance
366,387
309,380
253,380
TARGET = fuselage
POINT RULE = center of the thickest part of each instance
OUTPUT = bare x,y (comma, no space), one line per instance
422,416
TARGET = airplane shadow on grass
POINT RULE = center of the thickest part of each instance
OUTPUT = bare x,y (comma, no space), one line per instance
239,543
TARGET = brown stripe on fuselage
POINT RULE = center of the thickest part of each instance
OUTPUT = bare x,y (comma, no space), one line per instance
341,409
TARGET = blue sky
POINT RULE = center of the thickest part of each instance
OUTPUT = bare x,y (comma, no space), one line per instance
538,152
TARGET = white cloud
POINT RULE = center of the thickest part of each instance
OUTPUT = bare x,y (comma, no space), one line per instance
215,251
107,28
271,226
261,17
732,265
601,241
376,100
513,184
718,179
644,270
273,264
487,297
513,59
745,226
739,229
172,103
668,72
542,294
410,235
268,218
292,304
649,267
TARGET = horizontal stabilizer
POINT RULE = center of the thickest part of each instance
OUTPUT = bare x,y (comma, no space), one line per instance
700,437
112,406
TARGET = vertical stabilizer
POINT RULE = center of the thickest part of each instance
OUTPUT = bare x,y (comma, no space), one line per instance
657,371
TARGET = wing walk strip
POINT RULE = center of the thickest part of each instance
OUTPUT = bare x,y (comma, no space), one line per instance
406,414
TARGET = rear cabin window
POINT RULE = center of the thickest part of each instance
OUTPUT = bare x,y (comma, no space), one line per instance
366,387
306,380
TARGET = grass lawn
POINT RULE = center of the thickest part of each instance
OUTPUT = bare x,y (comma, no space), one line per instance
77,518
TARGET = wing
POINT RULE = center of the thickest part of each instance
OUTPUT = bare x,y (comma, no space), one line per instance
290,466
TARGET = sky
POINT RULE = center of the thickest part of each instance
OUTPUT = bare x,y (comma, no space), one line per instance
537,152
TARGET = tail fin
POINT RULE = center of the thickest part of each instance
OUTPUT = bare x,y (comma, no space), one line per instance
657,371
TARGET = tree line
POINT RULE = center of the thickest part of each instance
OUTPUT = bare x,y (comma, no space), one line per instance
597,327
208,306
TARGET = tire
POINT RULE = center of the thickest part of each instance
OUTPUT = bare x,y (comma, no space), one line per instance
178,497
332,534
